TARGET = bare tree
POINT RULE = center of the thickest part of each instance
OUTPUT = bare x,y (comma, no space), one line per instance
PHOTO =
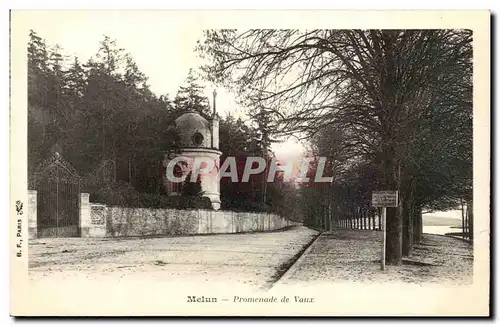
374,84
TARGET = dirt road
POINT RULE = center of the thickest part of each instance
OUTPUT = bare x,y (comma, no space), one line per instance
252,260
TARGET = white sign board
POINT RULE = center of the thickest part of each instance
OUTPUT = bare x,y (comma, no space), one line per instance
387,198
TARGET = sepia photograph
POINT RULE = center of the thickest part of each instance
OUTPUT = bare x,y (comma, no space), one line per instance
197,157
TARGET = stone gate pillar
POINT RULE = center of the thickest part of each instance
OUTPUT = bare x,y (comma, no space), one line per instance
32,217
84,215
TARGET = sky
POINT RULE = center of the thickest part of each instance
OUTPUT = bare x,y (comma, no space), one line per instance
161,45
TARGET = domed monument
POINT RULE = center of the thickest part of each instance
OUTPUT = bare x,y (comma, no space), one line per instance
198,139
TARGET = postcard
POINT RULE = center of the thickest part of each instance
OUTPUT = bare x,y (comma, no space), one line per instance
250,163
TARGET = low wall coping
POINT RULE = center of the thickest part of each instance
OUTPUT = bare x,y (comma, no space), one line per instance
97,204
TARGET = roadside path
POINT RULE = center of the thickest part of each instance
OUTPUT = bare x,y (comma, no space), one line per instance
354,256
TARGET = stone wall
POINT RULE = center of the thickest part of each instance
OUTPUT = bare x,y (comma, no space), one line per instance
98,220
122,221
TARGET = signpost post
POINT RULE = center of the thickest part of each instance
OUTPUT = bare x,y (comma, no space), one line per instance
384,199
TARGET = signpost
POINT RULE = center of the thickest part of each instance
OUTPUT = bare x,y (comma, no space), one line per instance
384,199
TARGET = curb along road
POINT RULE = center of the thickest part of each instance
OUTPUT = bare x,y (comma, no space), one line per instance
291,270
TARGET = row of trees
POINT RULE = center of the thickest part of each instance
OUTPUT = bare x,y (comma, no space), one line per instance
391,109
103,118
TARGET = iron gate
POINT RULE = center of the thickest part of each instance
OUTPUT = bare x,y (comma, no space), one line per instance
58,202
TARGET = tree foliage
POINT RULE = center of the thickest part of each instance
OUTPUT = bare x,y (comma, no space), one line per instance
108,124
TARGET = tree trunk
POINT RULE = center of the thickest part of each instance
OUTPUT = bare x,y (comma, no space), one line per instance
394,227
325,216
407,226
330,217
463,216
114,164
391,179
373,217
417,225
129,156
466,224
394,237
471,219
